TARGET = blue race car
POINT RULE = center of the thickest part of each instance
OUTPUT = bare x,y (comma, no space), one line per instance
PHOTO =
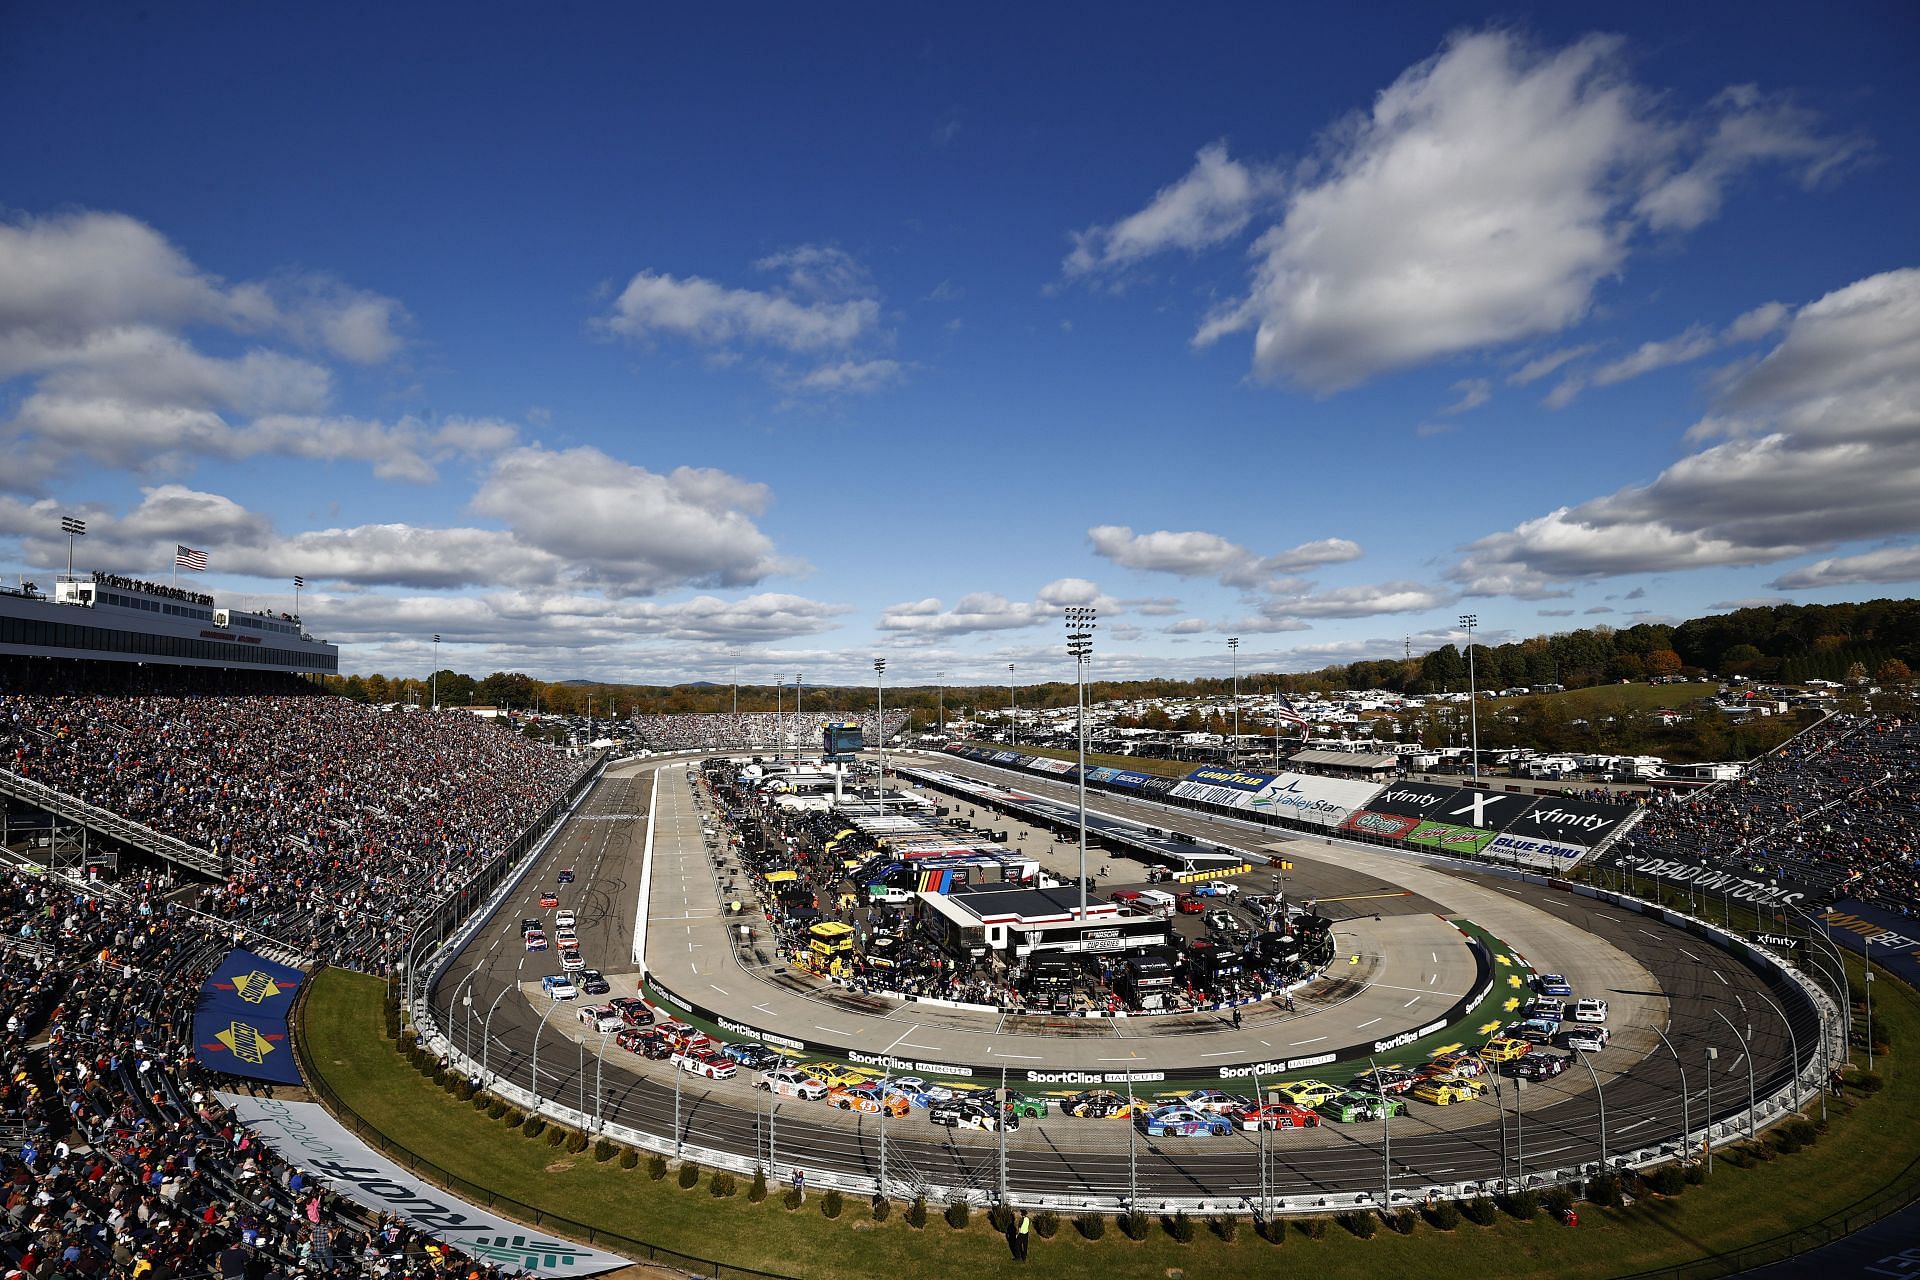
1184,1122
1552,984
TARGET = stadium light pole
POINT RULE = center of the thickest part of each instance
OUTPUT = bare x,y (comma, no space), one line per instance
553,1002
1713,1056
1080,625
436,671
73,529
1793,1044
1013,725
1686,1119
880,700
940,695
1748,1055
885,1080
486,1023
1276,724
1866,945
1233,647
1133,1162
1470,621
779,714
1386,1134
600,1084
1599,1093
1260,1100
796,717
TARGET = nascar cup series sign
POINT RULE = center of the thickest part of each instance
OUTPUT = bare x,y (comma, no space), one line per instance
306,1136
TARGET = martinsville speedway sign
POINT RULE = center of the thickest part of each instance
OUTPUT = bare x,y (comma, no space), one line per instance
303,1134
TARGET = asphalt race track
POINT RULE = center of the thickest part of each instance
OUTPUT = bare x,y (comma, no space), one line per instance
1059,1156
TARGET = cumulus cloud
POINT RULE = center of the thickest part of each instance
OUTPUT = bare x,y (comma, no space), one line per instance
1198,554
1153,606
1697,341
978,612
1211,204
1482,199
1541,366
1474,392
1889,564
852,376
1187,627
1819,446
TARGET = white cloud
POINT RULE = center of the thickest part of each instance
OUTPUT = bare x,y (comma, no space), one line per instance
852,376
977,612
1188,627
1540,366
1211,204
825,302
1697,341
628,529
1890,564
1554,613
1153,606
1428,430
1198,554
1483,198
1474,392
1822,447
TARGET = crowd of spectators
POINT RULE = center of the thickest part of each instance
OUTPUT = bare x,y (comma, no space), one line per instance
332,820
1837,808
152,588
119,1160
756,730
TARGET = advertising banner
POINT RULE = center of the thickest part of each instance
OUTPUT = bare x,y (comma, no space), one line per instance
1563,821
304,1135
1006,757
1304,797
1156,786
1384,826
240,1018
1046,765
1535,853
1238,779
1449,838
1490,810
1891,940
1412,799
1740,886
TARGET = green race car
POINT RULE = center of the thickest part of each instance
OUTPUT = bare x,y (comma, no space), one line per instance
1352,1108
1024,1106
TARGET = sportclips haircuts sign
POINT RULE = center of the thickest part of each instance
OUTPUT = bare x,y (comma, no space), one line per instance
305,1135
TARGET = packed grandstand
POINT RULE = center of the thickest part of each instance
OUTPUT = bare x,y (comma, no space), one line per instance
756,730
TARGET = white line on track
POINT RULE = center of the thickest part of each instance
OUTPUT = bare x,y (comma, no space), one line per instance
1297,1043
717,987
836,1031
1409,1004
1224,1053
1722,977
1369,1022
1024,1057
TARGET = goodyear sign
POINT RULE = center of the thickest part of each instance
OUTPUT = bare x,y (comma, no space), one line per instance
240,1018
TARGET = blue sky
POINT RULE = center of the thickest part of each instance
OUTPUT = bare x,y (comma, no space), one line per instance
656,346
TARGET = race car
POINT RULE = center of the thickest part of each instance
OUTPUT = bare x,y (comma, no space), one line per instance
1443,1093
1218,1101
1583,1036
918,1091
645,1042
1537,1066
1504,1049
682,1036
600,1017
1274,1115
1308,1094
536,940
565,876
706,1062
832,1073
529,924
1552,984
1190,904
570,959
1222,921
549,899
558,986
632,1010
868,1096
754,1056
961,1113
1552,1007
1478,1086
1095,1104
594,983
1533,1030
565,919
1024,1105
1457,1063
1184,1122
1351,1108
1590,1010
566,933
1389,1080
789,1083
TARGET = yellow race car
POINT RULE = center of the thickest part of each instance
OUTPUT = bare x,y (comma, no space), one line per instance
1442,1092
1504,1049
833,1073
1309,1094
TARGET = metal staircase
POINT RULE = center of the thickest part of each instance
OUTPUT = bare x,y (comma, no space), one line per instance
110,825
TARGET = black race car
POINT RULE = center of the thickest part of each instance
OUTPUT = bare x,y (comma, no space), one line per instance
566,875
1094,1104
1537,1065
530,923
958,1113
593,983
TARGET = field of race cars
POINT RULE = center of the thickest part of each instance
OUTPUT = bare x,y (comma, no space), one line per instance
1513,1096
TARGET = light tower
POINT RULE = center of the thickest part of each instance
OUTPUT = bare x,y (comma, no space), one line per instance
1233,647
880,698
1013,731
73,529
1080,625
1470,621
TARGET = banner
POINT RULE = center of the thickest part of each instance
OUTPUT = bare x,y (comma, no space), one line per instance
304,1135
1535,853
1412,799
1574,822
1047,765
1306,797
240,1018
1156,786
1740,886
1385,826
1239,779
1448,838
1891,940
1116,777
1490,810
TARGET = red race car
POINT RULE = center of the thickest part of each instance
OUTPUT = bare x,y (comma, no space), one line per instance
1276,1115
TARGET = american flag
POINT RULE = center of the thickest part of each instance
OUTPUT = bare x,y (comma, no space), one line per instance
1285,710
188,558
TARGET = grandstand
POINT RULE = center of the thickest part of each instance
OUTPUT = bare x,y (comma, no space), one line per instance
756,730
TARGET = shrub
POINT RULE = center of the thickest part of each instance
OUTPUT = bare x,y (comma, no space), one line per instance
656,1166
689,1174
1046,1224
1224,1225
514,1117
793,1199
1444,1215
1869,1081
1360,1222
630,1159
1524,1205
481,1102
831,1204
1403,1221
1603,1190
558,1136
1180,1227
1480,1211
1133,1224
463,1089
1804,1131
721,1185
1557,1200
1784,1140
958,1214
605,1149
917,1213
1272,1230
1668,1180
497,1108
758,1191
882,1208
534,1126
577,1141
1091,1226
1000,1218
1696,1173
1313,1228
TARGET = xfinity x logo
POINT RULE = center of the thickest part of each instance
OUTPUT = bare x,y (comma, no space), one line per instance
1476,808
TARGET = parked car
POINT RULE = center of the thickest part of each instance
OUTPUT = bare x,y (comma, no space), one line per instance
1221,889
1190,904
559,987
